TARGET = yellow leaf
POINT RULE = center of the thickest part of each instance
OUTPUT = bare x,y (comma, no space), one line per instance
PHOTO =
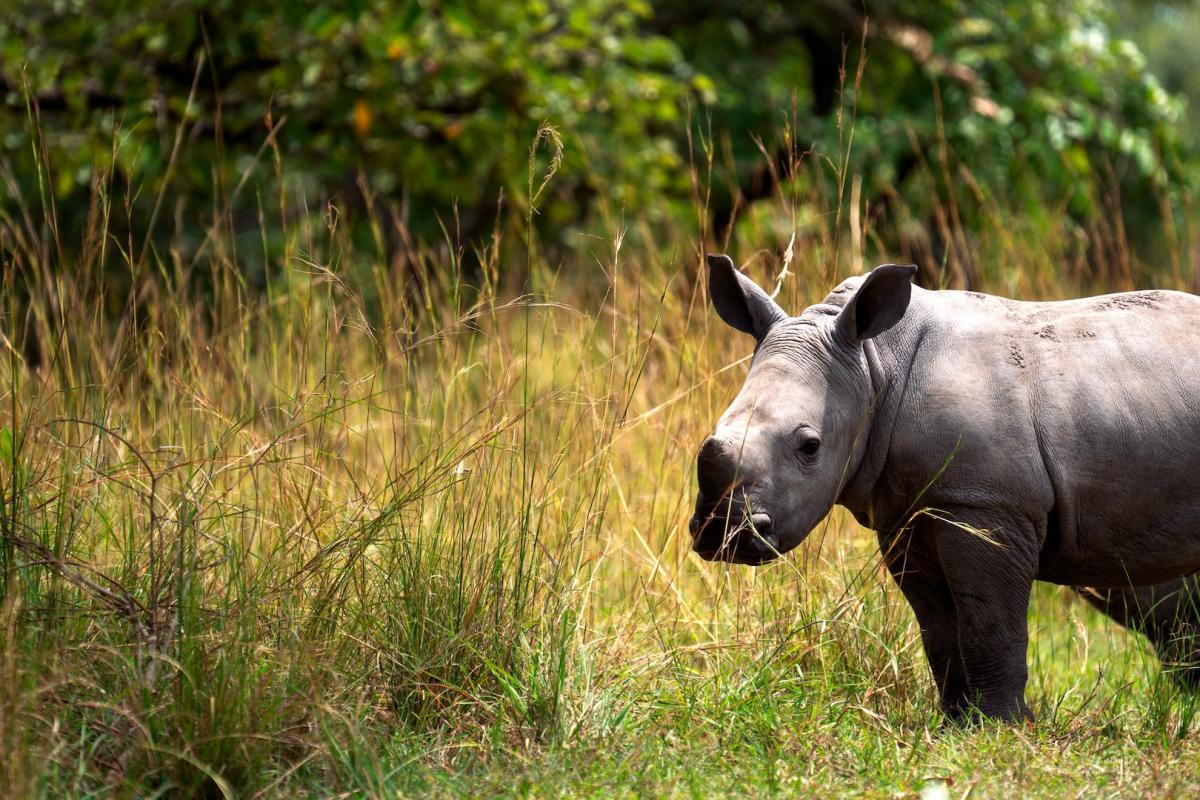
362,118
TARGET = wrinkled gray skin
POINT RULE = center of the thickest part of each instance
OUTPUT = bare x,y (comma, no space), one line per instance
1069,432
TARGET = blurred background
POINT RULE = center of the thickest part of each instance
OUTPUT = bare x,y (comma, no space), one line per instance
1072,123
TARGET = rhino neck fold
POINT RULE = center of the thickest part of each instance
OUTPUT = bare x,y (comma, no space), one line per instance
889,358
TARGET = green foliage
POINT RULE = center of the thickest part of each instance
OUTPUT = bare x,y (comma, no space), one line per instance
1166,33
425,108
1074,100
435,102
1035,99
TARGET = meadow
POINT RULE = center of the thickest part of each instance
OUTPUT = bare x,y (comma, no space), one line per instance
417,526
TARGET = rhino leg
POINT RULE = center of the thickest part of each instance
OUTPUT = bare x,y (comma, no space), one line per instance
1168,614
923,585
990,561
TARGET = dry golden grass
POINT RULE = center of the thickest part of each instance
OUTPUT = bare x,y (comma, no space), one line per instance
402,526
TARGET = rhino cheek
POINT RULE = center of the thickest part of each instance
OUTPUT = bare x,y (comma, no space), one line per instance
800,509
807,523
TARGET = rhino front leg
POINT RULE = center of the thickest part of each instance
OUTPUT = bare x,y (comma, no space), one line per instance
990,562
925,589
1168,614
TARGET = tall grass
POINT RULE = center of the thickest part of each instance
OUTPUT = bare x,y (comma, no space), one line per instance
396,524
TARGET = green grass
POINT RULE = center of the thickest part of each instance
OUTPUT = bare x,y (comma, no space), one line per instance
395,529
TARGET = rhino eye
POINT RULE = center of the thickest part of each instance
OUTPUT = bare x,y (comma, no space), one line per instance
810,446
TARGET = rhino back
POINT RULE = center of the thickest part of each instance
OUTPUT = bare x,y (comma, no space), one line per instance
1082,415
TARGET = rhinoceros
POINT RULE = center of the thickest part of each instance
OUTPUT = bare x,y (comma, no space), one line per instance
988,442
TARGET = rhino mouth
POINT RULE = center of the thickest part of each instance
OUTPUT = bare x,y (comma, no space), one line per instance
728,533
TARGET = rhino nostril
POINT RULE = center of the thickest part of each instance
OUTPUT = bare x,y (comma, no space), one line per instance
761,524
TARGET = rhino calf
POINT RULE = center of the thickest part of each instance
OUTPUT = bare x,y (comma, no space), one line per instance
988,442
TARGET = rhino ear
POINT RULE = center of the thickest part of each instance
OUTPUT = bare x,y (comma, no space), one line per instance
738,300
879,303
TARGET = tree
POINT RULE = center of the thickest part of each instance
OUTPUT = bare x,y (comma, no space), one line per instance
432,104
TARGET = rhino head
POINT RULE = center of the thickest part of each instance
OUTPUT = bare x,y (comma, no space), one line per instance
796,432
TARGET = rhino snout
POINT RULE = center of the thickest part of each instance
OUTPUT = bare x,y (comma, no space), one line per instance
728,525
729,529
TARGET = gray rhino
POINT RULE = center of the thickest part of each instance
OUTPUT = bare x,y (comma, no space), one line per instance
988,442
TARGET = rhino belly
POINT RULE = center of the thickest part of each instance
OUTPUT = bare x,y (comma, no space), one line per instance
1118,421
1126,526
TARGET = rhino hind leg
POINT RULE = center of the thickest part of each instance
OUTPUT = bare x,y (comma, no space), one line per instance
1168,614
